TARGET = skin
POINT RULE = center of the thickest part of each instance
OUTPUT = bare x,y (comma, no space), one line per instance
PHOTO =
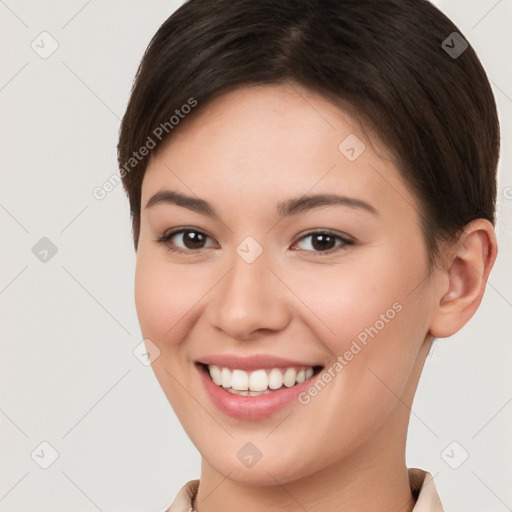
244,153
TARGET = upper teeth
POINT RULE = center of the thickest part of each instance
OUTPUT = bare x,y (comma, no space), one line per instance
258,380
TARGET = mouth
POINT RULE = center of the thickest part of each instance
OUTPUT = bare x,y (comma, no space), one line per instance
258,382
255,387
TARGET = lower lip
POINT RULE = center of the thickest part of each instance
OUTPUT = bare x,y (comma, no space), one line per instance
251,407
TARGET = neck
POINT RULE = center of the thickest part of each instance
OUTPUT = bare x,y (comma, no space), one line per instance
375,479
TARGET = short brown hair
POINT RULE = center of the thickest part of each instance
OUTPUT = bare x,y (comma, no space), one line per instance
390,60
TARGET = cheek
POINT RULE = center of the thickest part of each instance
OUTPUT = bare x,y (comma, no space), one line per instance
374,333
373,318
164,294
360,301
149,302
165,301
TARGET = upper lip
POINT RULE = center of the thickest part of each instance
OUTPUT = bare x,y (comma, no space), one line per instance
253,362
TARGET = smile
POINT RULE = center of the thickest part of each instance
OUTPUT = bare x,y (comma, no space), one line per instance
259,382
266,390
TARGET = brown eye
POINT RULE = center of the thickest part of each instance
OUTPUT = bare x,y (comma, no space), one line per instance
184,240
323,241
193,239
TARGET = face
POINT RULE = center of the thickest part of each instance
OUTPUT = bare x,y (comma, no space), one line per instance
337,283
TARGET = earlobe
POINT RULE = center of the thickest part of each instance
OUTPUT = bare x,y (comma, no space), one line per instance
464,279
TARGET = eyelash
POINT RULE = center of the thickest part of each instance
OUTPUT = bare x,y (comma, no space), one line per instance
345,241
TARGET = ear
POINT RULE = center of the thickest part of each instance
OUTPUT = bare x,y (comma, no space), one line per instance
463,275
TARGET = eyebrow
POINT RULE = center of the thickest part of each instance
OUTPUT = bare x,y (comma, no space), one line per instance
287,208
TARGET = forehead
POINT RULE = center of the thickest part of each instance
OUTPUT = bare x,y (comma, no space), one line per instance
264,143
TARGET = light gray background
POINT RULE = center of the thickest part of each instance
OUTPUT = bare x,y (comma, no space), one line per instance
69,326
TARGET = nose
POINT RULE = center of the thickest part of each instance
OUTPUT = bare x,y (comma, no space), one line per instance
250,300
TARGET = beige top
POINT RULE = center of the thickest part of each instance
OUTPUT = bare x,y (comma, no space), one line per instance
421,482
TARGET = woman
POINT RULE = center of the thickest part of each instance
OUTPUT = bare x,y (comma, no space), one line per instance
312,187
